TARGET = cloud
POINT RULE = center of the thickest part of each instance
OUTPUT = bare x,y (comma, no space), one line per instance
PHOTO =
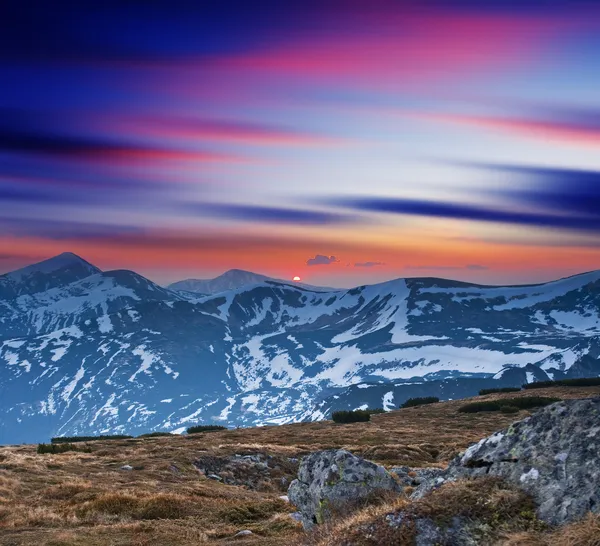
368,264
553,198
31,142
269,215
320,259
576,128
477,267
214,130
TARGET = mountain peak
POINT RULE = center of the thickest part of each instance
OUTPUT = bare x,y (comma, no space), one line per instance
66,260
230,280
51,273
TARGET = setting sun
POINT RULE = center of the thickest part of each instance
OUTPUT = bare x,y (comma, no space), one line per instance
296,278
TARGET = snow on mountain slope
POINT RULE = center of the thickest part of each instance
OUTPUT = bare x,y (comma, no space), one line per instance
113,352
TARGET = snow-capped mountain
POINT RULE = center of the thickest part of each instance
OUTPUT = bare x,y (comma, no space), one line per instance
86,352
231,280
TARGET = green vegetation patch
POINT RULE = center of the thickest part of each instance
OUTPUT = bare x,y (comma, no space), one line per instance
579,382
356,416
411,402
499,389
205,428
526,402
156,435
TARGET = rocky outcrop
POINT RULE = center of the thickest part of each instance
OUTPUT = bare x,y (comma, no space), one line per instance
336,481
256,471
554,456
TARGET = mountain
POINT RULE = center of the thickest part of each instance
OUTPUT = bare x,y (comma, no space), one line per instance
231,280
88,352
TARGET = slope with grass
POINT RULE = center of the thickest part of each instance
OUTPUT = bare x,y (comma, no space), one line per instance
145,491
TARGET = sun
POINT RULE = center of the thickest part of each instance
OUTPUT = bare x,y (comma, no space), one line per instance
297,279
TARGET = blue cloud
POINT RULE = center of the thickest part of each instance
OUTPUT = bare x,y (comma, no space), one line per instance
268,215
554,198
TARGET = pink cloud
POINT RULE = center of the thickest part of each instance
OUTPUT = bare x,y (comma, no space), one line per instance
568,133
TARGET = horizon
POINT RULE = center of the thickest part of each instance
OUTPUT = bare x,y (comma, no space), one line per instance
290,281
339,142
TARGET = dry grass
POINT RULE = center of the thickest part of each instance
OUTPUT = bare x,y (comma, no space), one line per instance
84,499
491,505
582,533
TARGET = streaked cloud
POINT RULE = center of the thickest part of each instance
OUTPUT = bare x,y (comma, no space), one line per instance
368,264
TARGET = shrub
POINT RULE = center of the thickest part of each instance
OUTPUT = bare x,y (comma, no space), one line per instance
509,409
375,411
155,434
499,389
577,382
73,439
356,416
61,448
526,402
411,402
205,428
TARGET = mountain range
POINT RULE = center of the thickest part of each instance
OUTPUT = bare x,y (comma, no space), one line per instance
84,351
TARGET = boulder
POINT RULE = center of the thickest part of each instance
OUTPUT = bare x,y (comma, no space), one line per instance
336,481
554,455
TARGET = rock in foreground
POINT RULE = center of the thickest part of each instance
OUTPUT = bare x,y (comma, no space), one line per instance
336,481
554,455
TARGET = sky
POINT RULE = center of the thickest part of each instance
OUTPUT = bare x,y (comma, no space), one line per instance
344,142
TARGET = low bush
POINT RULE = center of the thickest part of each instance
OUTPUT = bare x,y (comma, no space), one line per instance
156,434
526,402
356,416
411,402
509,409
499,389
205,428
61,448
578,382
74,439
375,411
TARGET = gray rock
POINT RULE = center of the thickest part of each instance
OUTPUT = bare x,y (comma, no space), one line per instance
244,533
336,481
127,467
554,455
215,477
419,476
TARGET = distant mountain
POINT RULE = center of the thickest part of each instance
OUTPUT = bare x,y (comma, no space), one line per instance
230,280
87,352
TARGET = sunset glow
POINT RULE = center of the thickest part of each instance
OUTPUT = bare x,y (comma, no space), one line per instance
348,142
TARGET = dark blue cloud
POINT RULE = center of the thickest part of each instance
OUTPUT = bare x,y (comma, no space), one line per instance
550,198
268,215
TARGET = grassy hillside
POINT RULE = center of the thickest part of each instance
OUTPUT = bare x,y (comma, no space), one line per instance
88,499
